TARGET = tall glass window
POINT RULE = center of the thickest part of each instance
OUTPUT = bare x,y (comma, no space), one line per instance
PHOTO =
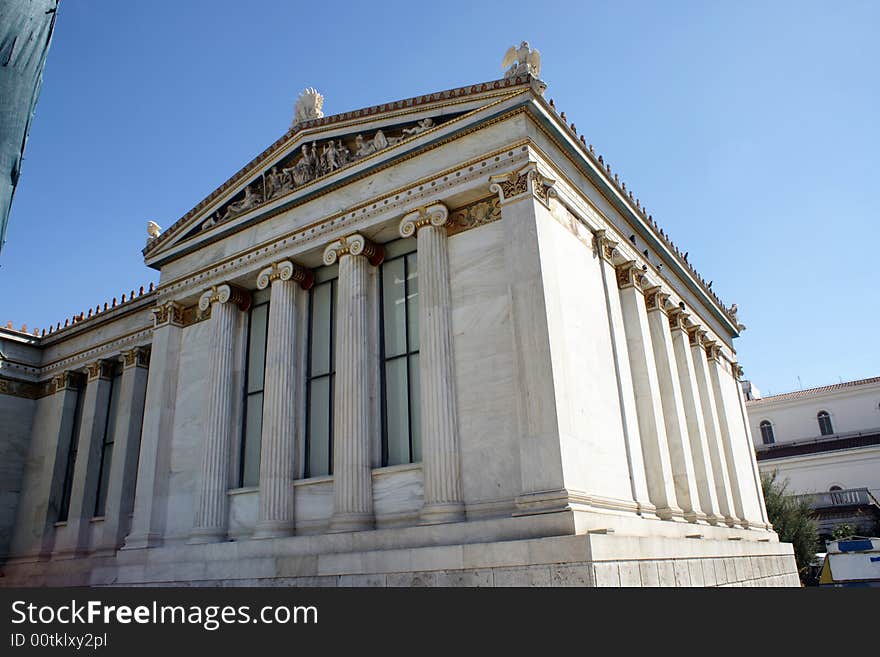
401,422
767,433
67,488
258,330
321,374
825,427
107,442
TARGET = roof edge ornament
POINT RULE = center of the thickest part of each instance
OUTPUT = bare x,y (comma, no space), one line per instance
523,60
308,106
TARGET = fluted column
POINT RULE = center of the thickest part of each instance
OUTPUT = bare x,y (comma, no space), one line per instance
652,429
677,435
727,437
211,514
277,452
352,423
154,459
690,393
713,428
440,452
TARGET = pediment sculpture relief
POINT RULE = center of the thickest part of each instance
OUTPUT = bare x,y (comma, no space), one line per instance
311,161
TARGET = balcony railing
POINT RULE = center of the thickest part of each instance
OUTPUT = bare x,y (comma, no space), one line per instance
838,498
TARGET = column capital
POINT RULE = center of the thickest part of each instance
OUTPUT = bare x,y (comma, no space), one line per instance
169,312
695,335
65,381
678,319
222,294
630,275
515,184
137,357
606,247
436,214
355,244
737,370
655,299
713,351
101,369
284,271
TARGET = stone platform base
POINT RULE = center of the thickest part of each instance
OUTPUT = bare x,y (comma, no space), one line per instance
457,554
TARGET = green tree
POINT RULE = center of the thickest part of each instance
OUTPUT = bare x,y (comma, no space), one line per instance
843,531
792,518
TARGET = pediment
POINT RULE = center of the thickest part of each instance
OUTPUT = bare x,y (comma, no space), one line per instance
324,152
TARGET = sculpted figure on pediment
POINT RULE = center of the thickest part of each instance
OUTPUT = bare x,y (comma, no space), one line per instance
329,157
315,160
369,146
424,124
273,183
303,170
251,200
343,155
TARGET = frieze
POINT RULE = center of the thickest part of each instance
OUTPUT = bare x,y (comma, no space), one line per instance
24,389
478,213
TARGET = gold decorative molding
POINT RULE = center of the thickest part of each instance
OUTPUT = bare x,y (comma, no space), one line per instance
169,312
24,389
515,184
606,247
677,319
655,299
137,357
695,335
474,215
284,271
355,244
227,292
629,275
101,369
436,214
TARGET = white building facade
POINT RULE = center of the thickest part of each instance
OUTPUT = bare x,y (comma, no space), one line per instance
430,342
826,442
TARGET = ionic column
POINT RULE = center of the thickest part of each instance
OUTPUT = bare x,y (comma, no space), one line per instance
725,419
88,458
211,514
277,451
705,479
764,521
652,429
625,390
711,422
441,466
154,461
677,434
126,444
352,411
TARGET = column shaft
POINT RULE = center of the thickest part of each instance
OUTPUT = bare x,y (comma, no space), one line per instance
277,457
352,471
678,438
705,479
212,503
441,461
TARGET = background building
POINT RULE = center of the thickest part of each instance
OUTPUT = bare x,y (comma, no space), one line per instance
826,442
435,341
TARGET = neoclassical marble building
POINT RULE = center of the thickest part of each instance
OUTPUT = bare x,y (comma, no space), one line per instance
434,341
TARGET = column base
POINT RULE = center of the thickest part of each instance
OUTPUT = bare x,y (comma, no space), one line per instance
141,541
647,510
203,535
350,522
273,529
672,513
696,517
440,513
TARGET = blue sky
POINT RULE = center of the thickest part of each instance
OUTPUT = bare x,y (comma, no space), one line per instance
748,129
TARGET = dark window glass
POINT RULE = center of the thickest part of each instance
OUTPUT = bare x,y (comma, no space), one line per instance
401,422
107,443
67,487
320,378
258,329
767,433
825,427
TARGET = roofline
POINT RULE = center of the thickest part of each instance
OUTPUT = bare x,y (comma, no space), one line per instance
846,386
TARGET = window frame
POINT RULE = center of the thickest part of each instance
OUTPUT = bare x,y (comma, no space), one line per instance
767,424
242,452
397,250
325,276
826,416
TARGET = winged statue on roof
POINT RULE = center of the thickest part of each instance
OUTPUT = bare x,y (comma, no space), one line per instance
522,60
